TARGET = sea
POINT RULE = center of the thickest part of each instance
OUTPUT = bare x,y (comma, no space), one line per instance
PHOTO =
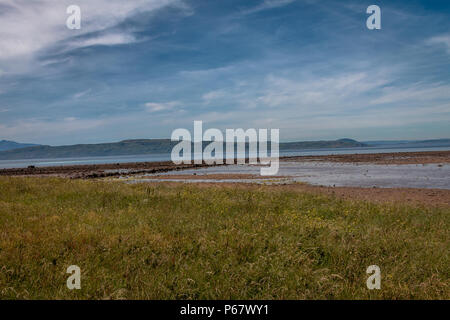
6,164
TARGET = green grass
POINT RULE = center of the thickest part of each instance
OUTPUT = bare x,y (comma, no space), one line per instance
190,242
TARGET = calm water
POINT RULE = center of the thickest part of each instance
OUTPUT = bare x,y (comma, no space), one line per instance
166,157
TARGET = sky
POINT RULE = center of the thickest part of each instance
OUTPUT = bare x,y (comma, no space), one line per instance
142,68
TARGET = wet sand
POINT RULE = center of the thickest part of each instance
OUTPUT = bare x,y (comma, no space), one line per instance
425,157
328,174
322,173
203,176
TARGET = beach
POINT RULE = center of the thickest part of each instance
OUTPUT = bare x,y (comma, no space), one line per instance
415,177
164,231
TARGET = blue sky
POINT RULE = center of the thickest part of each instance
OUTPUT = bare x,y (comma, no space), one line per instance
142,68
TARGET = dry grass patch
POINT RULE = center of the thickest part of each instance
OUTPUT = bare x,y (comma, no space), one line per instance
170,241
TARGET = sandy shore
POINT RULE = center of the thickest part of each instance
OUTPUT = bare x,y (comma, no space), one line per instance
98,170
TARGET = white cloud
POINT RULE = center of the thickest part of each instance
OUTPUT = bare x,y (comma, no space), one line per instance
81,94
157,107
306,105
28,128
86,130
29,27
213,95
317,94
106,40
415,92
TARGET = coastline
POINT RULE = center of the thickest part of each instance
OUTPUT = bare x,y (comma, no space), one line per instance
169,173
421,157
117,169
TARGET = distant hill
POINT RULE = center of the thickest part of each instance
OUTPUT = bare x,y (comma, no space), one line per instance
11,145
126,147
341,143
409,143
142,146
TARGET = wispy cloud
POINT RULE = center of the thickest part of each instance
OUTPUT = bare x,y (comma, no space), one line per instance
268,4
29,127
158,106
206,72
81,94
138,68
213,95
329,92
414,93
106,40
441,40
27,28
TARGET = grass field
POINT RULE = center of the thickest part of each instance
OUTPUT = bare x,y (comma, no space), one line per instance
167,241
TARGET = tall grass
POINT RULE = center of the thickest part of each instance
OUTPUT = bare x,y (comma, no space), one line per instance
165,241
